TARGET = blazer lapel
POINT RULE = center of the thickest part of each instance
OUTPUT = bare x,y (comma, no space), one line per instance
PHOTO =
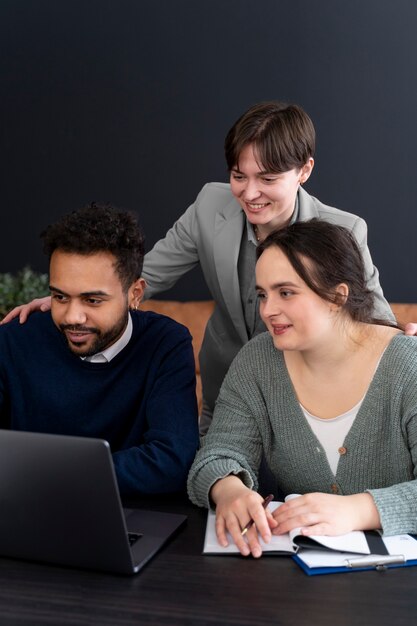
229,226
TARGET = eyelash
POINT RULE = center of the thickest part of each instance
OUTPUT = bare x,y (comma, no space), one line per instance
285,293
63,299
240,178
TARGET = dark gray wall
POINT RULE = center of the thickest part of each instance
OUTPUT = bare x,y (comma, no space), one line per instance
128,101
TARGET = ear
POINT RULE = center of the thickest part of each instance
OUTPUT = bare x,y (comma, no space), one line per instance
306,170
135,293
341,294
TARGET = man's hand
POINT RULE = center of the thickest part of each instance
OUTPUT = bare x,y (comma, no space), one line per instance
24,310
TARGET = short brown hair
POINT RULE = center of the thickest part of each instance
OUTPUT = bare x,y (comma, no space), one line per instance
283,136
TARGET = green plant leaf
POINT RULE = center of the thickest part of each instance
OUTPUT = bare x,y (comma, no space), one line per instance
21,287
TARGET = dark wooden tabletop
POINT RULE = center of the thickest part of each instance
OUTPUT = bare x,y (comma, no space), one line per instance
180,586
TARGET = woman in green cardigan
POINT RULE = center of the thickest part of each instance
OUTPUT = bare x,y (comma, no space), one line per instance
328,396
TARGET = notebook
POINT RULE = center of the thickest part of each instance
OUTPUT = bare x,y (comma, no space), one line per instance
60,504
323,554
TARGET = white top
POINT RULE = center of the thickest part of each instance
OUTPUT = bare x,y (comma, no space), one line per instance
332,432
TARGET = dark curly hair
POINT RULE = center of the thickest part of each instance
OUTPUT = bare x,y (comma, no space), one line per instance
100,228
334,257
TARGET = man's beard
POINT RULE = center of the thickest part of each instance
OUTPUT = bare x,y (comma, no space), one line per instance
103,339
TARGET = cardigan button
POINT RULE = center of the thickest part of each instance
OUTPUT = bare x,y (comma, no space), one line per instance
334,488
342,450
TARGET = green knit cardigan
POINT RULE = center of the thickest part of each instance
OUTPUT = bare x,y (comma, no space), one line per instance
258,413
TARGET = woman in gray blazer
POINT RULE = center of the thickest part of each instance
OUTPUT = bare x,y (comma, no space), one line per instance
270,155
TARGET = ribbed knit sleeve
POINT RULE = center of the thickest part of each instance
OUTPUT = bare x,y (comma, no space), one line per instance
233,444
397,503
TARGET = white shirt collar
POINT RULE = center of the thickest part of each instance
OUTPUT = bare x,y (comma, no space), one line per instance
109,353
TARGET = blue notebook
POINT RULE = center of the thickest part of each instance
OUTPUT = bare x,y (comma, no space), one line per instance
389,552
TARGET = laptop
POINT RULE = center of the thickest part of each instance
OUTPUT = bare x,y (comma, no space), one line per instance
60,504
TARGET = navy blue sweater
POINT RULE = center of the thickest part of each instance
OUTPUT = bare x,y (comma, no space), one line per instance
143,402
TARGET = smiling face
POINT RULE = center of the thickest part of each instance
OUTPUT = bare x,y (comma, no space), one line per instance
296,317
89,305
267,198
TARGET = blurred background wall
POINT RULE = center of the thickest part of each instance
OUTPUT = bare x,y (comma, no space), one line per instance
129,101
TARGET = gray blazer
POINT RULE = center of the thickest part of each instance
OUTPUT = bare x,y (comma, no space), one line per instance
210,233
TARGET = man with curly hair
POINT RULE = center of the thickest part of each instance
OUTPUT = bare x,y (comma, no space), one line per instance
95,366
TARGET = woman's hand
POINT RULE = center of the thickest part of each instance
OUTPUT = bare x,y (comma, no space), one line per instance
236,505
24,310
327,514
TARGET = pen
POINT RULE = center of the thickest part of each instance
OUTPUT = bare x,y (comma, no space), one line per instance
265,503
375,560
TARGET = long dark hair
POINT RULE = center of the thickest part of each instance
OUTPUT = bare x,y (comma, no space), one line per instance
334,257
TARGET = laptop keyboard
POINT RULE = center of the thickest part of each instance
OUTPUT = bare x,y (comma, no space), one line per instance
133,537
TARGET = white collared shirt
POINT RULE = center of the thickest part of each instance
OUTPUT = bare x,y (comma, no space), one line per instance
109,353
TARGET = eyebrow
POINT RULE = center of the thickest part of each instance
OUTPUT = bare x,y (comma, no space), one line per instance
84,293
278,285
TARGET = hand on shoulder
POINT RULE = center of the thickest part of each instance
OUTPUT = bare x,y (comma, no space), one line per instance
24,310
410,329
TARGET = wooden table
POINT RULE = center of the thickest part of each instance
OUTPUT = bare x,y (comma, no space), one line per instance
180,586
